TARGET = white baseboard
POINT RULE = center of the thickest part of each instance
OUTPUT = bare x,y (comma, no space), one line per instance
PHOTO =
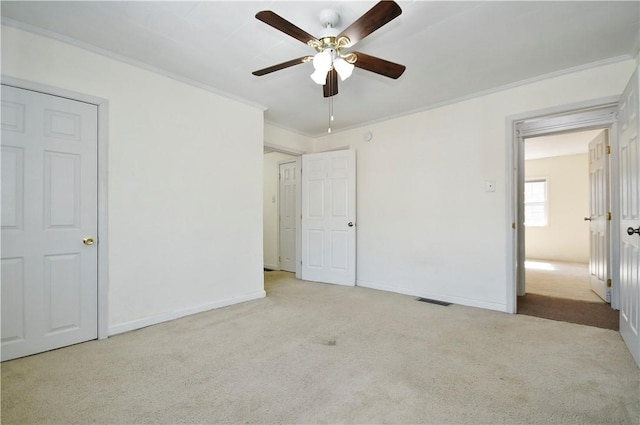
272,267
439,297
172,315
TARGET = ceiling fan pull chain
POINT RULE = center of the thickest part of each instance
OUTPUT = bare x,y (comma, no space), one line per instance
330,105
331,108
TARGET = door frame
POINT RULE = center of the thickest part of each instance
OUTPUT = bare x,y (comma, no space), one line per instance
298,159
598,113
103,108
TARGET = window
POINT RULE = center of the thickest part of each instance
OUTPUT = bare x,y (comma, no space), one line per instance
535,203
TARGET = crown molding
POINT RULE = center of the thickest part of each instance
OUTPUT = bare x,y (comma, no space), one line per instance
487,92
138,64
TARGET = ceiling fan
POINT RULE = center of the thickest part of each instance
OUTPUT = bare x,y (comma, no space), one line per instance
331,59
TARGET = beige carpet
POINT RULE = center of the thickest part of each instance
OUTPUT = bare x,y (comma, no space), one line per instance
559,279
316,353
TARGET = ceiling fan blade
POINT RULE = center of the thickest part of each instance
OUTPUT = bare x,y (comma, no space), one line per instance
279,23
379,15
379,66
280,66
331,88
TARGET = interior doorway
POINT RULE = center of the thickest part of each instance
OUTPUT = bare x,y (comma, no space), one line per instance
562,199
279,254
323,224
567,249
565,195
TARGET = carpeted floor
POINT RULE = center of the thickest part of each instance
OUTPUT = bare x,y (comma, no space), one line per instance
559,279
596,314
560,290
316,353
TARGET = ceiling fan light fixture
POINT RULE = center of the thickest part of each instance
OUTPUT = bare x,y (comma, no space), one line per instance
322,65
343,68
319,77
322,61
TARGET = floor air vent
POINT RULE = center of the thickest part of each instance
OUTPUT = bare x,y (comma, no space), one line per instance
430,301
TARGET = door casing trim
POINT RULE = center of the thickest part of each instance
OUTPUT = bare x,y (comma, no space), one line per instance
515,177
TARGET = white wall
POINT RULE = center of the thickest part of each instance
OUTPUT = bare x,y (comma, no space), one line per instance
566,236
286,140
426,226
271,181
184,182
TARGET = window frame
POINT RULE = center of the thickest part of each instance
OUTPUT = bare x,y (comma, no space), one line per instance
544,203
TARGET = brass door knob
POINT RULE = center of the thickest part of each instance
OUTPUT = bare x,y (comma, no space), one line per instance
87,241
587,219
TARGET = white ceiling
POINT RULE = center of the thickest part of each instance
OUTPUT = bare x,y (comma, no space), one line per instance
559,145
452,49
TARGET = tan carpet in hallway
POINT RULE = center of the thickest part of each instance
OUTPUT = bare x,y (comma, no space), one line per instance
316,353
559,279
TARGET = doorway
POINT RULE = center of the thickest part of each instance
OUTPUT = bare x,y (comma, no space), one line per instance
279,254
561,207
619,114
567,249
324,224
588,116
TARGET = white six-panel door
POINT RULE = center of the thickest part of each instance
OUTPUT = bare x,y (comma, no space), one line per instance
287,215
629,147
598,209
328,217
49,206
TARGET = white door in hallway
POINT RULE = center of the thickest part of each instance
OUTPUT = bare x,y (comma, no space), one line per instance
49,219
598,210
287,215
329,217
629,150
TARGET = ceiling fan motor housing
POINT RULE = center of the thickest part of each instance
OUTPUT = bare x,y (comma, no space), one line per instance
329,18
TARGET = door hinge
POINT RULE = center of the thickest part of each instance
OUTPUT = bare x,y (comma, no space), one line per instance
609,216
513,226
279,258
608,283
608,149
